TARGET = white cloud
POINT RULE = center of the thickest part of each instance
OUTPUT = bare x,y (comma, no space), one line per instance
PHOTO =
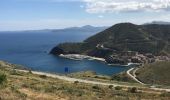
100,16
110,6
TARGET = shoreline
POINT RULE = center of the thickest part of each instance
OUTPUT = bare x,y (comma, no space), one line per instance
80,57
119,65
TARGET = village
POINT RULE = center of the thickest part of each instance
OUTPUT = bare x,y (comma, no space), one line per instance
133,57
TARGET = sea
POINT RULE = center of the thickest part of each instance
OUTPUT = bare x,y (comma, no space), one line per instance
31,49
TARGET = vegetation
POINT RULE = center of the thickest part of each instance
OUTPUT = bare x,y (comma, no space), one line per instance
118,88
133,90
2,78
28,86
122,37
156,73
122,77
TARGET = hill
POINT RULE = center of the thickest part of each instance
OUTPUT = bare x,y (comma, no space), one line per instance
156,73
18,85
86,28
159,23
150,38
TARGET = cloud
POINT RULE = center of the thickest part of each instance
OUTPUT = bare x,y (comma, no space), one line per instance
110,6
100,16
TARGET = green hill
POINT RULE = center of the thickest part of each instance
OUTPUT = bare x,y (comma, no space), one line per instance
156,73
122,37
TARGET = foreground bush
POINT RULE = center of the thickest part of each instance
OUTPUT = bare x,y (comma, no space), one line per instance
118,88
133,90
2,78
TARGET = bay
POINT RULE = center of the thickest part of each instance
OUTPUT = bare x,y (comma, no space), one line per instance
31,49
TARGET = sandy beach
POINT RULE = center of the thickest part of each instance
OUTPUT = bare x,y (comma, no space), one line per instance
80,57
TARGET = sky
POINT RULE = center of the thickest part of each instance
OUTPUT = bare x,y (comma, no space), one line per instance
56,14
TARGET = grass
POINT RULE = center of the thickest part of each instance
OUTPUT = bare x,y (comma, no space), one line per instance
28,86
121,78
157,73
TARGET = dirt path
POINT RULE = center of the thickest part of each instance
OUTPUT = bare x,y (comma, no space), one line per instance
134,78
134,75
88,81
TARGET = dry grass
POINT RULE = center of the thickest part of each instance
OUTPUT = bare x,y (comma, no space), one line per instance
156,73
27,86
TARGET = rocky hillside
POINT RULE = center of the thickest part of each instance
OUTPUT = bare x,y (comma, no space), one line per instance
150,38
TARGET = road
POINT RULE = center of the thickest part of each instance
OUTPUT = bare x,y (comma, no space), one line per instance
134,78
134,75
65,78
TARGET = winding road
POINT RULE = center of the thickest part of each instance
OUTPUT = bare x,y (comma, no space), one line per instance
134,75
134,78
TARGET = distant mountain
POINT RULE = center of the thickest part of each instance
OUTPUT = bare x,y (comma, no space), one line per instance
87,28
159,23
151,38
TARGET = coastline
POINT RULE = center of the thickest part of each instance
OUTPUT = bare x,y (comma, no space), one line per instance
129,64
80,57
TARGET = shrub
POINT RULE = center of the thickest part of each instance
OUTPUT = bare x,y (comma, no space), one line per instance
95,87
118,88
165,94
133,90
110,86
30,72
14,72
3,78
25,85
76,82
43,76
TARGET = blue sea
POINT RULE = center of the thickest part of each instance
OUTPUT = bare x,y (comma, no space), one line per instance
31,49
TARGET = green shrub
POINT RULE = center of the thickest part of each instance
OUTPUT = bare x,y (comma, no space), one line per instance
3,78
14,72
165,94
110,86
76,82
118,88
30,72
95,87
43,76
133,90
